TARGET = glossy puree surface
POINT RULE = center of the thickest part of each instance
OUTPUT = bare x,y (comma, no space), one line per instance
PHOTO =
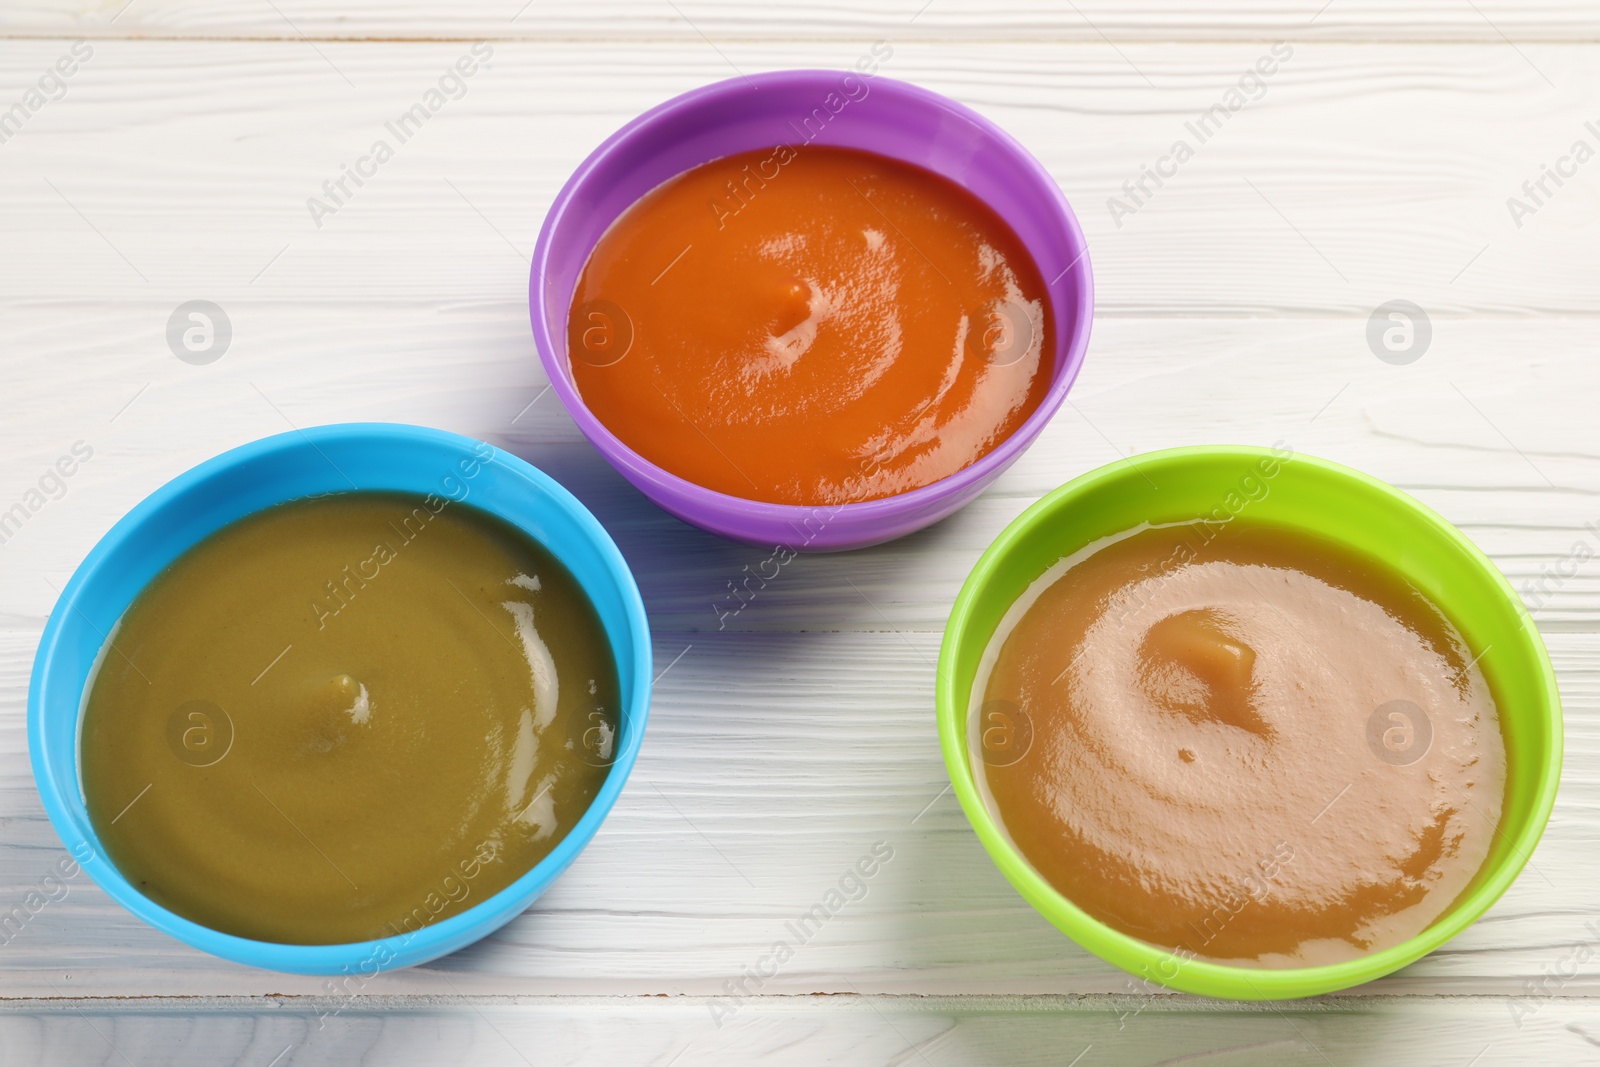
810,326
1242,743
346,718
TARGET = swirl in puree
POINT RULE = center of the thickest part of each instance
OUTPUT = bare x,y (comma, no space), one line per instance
1244,744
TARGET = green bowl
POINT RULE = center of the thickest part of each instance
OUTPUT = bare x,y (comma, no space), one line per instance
1269,485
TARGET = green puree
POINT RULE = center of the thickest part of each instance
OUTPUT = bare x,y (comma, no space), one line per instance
346,718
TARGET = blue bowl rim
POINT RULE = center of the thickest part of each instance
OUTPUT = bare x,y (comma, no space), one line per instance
63,802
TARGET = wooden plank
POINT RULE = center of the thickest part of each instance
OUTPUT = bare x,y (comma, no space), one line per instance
772,763
935,1031
1365,173
690,23
1453,428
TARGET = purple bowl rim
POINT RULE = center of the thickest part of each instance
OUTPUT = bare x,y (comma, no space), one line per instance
720,504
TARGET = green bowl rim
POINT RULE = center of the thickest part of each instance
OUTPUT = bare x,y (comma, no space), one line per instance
1163,966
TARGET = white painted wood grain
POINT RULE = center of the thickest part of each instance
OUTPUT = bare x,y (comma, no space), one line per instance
771,764
1232,308
1365,172
1475,428
690,22
933,1031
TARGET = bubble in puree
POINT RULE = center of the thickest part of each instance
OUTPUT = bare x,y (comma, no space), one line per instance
810,326
347,717
1240,742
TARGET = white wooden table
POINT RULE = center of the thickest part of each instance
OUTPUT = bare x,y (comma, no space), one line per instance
1234,304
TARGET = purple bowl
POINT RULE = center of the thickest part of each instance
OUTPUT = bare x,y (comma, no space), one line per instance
878,115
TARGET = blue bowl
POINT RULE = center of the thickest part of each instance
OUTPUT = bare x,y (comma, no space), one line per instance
326,459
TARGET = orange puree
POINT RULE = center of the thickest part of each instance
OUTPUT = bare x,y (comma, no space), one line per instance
1241,743
810,326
